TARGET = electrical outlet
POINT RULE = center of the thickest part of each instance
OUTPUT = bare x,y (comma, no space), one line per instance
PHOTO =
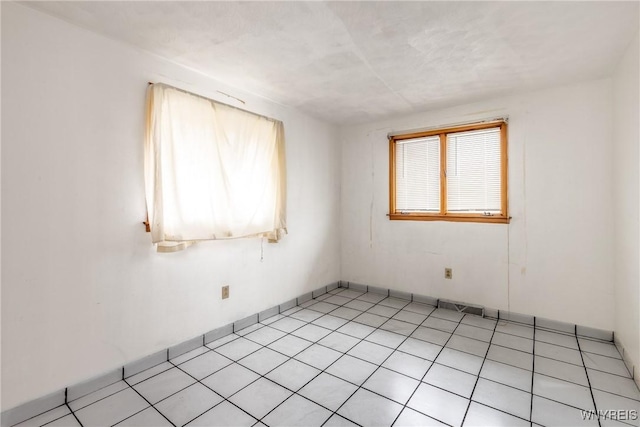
225,292
448,273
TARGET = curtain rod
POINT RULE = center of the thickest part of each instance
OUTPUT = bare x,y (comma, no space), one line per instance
450,125
217,102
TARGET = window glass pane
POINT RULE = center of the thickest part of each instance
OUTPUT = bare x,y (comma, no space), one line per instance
418,175
473,171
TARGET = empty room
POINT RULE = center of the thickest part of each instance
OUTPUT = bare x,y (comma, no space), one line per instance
320,213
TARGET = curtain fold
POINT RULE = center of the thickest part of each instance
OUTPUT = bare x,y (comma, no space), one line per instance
212,171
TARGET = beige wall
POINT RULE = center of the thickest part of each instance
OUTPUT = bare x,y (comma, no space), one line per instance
83,291
626,190
554,260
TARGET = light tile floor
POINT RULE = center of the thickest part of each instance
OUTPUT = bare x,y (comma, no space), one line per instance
348,358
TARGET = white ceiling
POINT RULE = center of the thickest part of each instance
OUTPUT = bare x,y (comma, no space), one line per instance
350,62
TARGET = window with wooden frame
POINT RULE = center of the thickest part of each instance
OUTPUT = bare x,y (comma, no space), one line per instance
450,174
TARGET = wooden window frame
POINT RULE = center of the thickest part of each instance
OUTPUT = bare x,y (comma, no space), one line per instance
443,215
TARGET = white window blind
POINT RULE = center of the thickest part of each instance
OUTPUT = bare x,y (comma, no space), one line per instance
212,171
418,175
473,171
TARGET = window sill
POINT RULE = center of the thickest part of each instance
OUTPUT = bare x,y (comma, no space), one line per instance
496,219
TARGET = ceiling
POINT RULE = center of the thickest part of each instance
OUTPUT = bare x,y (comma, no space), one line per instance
352,62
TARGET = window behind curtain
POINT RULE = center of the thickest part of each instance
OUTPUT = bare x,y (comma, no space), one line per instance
211,171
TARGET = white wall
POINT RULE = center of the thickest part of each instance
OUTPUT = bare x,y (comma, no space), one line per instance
626,160
83,290
555,258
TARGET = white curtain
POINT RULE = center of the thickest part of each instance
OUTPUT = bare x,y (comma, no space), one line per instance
211,171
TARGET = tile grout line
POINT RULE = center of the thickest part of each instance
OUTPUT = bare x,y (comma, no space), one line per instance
382,363
544,342
335,412
335,330
138,412
262,346
317,342
276,367
511,365
396,349
260,376
433,362
581,385
209,349
232,362
72,413
505,385
490,343
173,365
600,370
290,357
224,399
388,294
308,322
116,392
561,361
187,373
362,339
533,371
311,322
359,342
484,359
341,356
493,381
55,419
424,376
593,399
150,405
